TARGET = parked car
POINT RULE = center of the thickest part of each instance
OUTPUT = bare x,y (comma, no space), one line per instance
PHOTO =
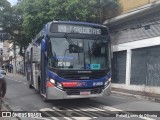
2,72
3,88
2,68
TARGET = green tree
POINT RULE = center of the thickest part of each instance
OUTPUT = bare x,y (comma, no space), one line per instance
29,16
70,10
5,12
35,15
100,10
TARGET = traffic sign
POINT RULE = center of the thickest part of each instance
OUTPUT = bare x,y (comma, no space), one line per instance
5,36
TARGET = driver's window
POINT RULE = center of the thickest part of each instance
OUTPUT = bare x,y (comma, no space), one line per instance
50,54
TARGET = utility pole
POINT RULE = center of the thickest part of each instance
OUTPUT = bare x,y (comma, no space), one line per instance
16,32
15,57
24,64
24,61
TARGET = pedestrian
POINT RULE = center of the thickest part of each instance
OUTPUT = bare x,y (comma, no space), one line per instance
3,88
11,66
6,67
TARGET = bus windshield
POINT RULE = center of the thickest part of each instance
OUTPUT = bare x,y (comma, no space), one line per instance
78,54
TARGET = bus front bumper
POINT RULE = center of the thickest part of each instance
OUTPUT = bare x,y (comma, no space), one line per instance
55,93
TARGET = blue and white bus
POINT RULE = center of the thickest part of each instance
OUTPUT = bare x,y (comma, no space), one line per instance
70,60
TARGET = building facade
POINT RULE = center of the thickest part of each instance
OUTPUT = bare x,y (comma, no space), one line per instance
136,49
6,45
131,5
10,56
1,53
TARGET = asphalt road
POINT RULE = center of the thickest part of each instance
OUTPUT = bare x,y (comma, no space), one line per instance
20,98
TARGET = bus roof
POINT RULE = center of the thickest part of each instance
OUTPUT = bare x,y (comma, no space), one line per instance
48,27
82,23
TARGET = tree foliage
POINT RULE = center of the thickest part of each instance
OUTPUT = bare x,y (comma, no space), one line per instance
5,11
29,16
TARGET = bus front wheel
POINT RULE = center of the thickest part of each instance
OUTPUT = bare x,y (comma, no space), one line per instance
44,99
30,86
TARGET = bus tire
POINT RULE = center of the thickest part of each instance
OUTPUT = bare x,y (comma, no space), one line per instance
44,99
30,86
39,87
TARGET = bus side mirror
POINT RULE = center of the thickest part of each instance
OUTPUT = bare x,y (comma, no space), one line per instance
97,51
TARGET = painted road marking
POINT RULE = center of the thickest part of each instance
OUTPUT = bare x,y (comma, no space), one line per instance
86,109
79,112
82,112
49,109
110,108
146,118
81,118
43,118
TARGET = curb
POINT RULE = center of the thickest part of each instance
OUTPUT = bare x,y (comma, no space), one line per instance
7,108
152,99
14,108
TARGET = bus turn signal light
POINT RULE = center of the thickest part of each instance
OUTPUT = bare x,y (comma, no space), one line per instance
49,84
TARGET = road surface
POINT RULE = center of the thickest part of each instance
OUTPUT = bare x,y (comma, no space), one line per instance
20,98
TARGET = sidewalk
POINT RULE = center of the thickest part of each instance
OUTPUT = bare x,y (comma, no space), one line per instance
137,94
6,108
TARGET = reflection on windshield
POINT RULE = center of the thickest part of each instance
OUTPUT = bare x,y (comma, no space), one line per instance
92,54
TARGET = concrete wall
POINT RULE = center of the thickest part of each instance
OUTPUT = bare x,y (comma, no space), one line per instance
139,34
5,50
130,46
137,29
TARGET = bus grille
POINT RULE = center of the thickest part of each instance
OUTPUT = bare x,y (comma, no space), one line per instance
77,91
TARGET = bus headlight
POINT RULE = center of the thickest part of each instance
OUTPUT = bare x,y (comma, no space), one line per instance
109,79
107,82
52,81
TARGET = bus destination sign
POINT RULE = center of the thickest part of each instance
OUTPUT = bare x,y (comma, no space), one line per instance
78,29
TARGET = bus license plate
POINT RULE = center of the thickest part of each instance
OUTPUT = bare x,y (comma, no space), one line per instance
85,92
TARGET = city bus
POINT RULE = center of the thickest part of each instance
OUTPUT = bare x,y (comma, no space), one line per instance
69,60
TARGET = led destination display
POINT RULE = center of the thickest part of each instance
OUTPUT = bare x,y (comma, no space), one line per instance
79,29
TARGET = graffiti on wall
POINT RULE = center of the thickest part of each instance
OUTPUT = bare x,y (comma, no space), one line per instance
153,74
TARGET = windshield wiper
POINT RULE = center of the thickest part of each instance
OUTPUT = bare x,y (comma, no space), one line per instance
68,39
73,48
